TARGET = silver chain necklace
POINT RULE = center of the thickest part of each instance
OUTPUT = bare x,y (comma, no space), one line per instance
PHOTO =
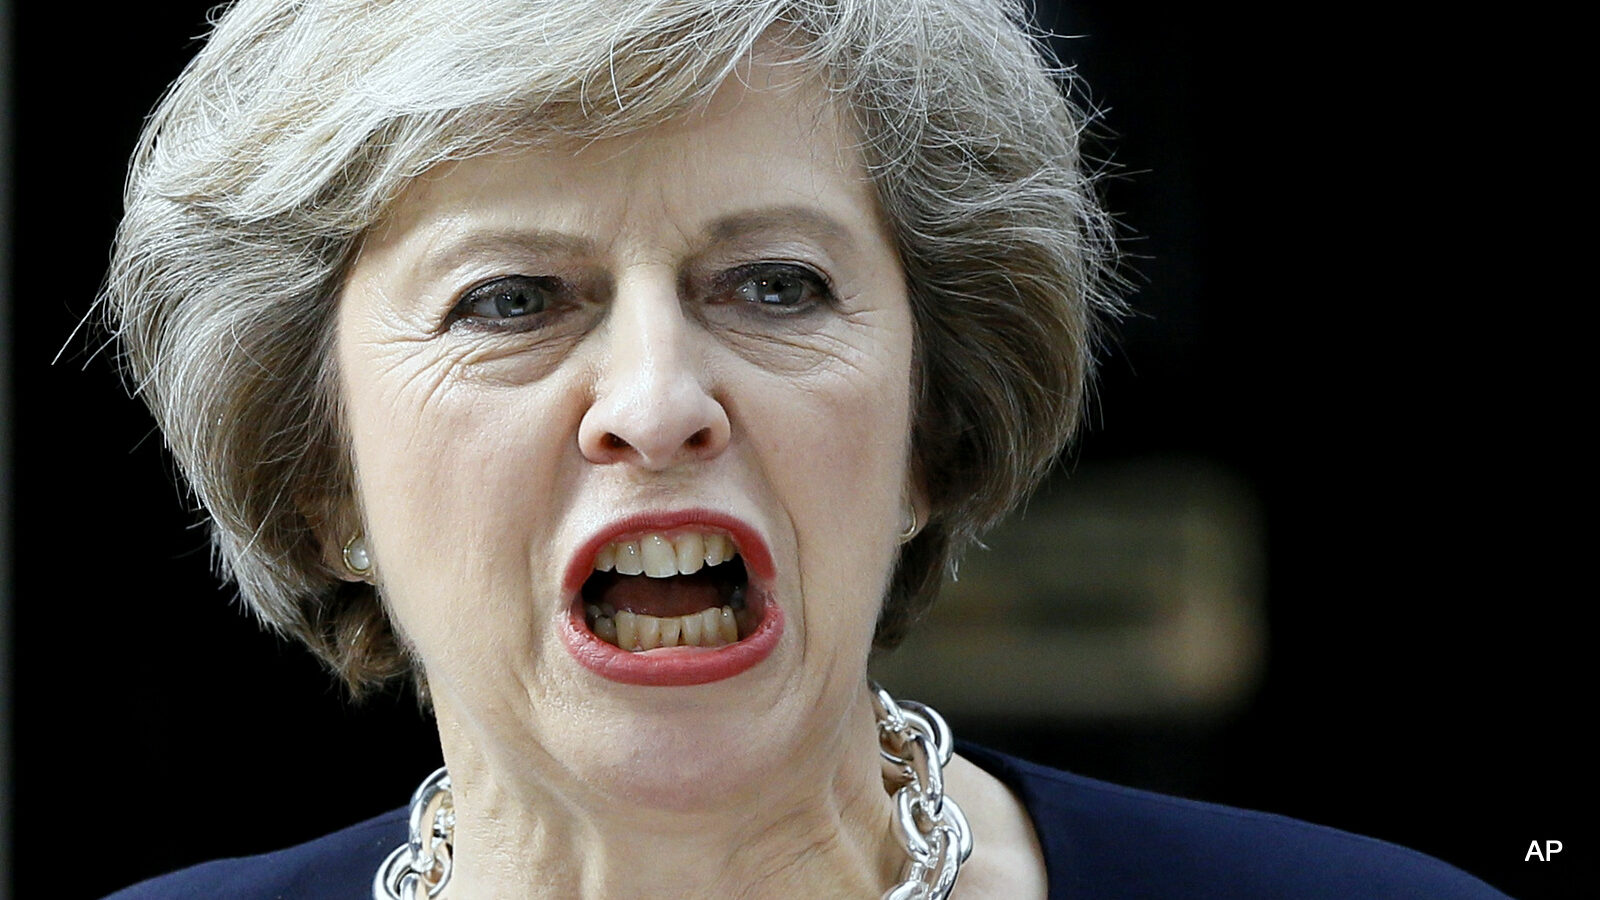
913,740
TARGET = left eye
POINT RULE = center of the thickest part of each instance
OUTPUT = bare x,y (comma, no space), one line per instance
511,297
779,287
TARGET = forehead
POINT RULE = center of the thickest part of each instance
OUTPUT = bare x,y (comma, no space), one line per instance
765,139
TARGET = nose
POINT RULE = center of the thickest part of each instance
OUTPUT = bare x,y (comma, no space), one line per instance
654,404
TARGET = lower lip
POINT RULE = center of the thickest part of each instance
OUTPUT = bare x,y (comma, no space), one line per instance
672,666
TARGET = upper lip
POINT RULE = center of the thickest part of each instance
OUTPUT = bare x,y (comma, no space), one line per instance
747,539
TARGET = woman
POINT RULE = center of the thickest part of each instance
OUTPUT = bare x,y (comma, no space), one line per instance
623,379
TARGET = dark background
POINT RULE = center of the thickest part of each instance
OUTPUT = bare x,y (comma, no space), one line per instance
1341,299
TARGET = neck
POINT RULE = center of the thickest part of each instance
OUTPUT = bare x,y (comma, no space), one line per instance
816,824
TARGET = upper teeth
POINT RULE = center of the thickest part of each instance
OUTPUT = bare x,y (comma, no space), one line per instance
659,556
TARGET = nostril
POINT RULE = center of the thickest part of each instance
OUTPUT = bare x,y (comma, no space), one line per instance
612,442
699,439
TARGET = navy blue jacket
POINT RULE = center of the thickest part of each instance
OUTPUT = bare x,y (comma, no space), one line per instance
1100,841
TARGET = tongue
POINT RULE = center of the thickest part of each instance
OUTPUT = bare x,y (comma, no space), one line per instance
679,595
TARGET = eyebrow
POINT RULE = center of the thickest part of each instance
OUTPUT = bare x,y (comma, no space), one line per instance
803,219
503,242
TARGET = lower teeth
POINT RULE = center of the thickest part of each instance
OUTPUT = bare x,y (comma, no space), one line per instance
636,632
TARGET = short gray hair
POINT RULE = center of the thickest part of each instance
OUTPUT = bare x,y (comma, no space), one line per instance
295,127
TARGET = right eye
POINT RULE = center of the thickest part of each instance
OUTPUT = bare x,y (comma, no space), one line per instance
510,297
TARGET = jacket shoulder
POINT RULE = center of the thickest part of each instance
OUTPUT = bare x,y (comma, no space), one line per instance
339,865
1105,841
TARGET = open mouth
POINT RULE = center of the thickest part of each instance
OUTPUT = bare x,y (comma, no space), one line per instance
672,599
684,589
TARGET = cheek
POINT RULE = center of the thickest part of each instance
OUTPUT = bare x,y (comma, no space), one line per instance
455,478
839,452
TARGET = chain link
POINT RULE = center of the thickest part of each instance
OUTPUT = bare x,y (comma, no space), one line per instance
915,745
421,866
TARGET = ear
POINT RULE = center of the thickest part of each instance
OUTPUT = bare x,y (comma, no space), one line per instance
916,497
337,527
920,505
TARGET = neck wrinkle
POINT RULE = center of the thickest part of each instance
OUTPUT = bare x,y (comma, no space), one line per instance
815,833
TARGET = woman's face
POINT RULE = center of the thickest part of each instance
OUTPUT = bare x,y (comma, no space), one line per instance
691,336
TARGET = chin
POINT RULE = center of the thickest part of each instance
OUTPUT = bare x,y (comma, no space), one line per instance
678,758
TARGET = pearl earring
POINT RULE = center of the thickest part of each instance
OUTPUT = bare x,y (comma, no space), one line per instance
356,558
